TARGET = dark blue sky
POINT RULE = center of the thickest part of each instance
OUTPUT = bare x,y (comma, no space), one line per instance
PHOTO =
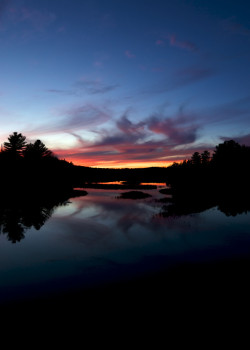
125,83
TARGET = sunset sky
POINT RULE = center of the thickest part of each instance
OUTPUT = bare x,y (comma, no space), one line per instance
115,83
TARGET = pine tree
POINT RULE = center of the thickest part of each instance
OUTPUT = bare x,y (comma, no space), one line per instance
16,144
37,151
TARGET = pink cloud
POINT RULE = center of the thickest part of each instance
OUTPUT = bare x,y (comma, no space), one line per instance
98,64
242,139
160,42
149,142
180,130
126,126
173,41
129,54
124,152
134,143
187,45
61,29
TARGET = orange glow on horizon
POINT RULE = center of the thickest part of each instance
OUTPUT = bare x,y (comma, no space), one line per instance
118,164
114,164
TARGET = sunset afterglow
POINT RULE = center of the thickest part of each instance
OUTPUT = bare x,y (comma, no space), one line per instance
125,84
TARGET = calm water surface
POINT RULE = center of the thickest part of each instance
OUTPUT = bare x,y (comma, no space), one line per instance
99,238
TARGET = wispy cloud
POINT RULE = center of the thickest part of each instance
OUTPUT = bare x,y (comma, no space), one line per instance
231,25
36,20
129,54
236,111
84,85
94,86
179,131
160,42
241,139
85,116
156,139
61,92
130,142
190,75
120,151
74,119
186,45
127,127
173,41
181,78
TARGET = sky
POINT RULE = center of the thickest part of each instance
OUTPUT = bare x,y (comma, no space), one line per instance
114,83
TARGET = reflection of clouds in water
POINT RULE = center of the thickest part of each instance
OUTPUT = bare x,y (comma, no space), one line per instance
85,231
99,238
120,215
105,220
97,221
103,225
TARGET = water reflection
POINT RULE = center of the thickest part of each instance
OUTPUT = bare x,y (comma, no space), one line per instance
99,239
230,203
19,212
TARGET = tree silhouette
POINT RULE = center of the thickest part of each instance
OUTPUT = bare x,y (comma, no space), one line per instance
37,151
205,157
226,152
196,158
16,144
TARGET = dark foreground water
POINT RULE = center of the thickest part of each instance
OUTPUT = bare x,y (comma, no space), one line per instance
100,248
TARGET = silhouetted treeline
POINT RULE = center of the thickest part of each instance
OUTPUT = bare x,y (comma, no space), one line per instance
33,165
130,176
205,181
228,167
29,166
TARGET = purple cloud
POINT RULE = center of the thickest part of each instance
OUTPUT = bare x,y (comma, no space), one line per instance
129,54
179,131
242,139
138,138
138,142
160,42
127,127
171,38
187,45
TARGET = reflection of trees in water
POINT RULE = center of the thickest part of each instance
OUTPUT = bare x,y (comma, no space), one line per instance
21,213
231,203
